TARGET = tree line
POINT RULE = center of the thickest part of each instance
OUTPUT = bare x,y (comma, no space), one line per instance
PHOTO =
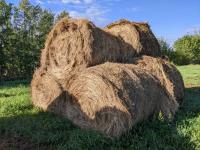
23,30
185,50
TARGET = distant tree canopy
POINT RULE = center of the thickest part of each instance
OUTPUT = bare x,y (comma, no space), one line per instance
186,50
62,15
23,30
166,49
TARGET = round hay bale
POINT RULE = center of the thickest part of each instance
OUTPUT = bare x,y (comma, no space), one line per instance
112,97
47,93
74,44
169,77
138,35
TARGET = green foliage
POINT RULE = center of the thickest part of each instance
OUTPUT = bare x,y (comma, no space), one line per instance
187,49
23,30
62,15
5,33
19,118
191,74
166,49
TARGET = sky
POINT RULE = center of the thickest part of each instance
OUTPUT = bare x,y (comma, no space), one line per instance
169,19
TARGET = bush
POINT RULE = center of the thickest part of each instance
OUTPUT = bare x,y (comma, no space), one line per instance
187,50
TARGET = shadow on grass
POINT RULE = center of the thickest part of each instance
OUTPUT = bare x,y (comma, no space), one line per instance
48,131
13,84
6,95
190,107
193,98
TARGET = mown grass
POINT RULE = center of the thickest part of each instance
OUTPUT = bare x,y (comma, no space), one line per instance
191,74
19,118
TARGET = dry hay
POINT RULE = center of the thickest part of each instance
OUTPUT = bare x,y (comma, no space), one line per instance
46,93
111,98
73,81
168,75
75,44
138,35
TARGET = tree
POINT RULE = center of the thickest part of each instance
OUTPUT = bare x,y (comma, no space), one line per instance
167,50
165,47
188,49
26,18
5,32
45,24
23,31
35,24
62,15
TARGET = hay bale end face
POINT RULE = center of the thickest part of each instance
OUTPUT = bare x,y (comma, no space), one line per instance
138,35
168,75
46,93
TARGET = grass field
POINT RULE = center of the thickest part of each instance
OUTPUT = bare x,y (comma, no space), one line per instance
25,127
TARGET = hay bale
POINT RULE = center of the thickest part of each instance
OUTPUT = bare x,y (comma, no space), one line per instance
169,77
138,35
74,44
46,93
111,98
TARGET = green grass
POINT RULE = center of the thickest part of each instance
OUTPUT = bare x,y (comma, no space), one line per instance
191,74
19,118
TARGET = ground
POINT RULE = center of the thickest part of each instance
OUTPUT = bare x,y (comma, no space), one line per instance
25,127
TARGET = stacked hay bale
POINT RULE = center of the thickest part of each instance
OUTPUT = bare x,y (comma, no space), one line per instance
137,35
95,78
73,45
169,77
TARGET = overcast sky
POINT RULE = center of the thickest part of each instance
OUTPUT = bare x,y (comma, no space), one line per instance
169,19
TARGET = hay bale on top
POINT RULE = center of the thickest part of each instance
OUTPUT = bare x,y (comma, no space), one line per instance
74,44
138,35
111,98
47,93
169,77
